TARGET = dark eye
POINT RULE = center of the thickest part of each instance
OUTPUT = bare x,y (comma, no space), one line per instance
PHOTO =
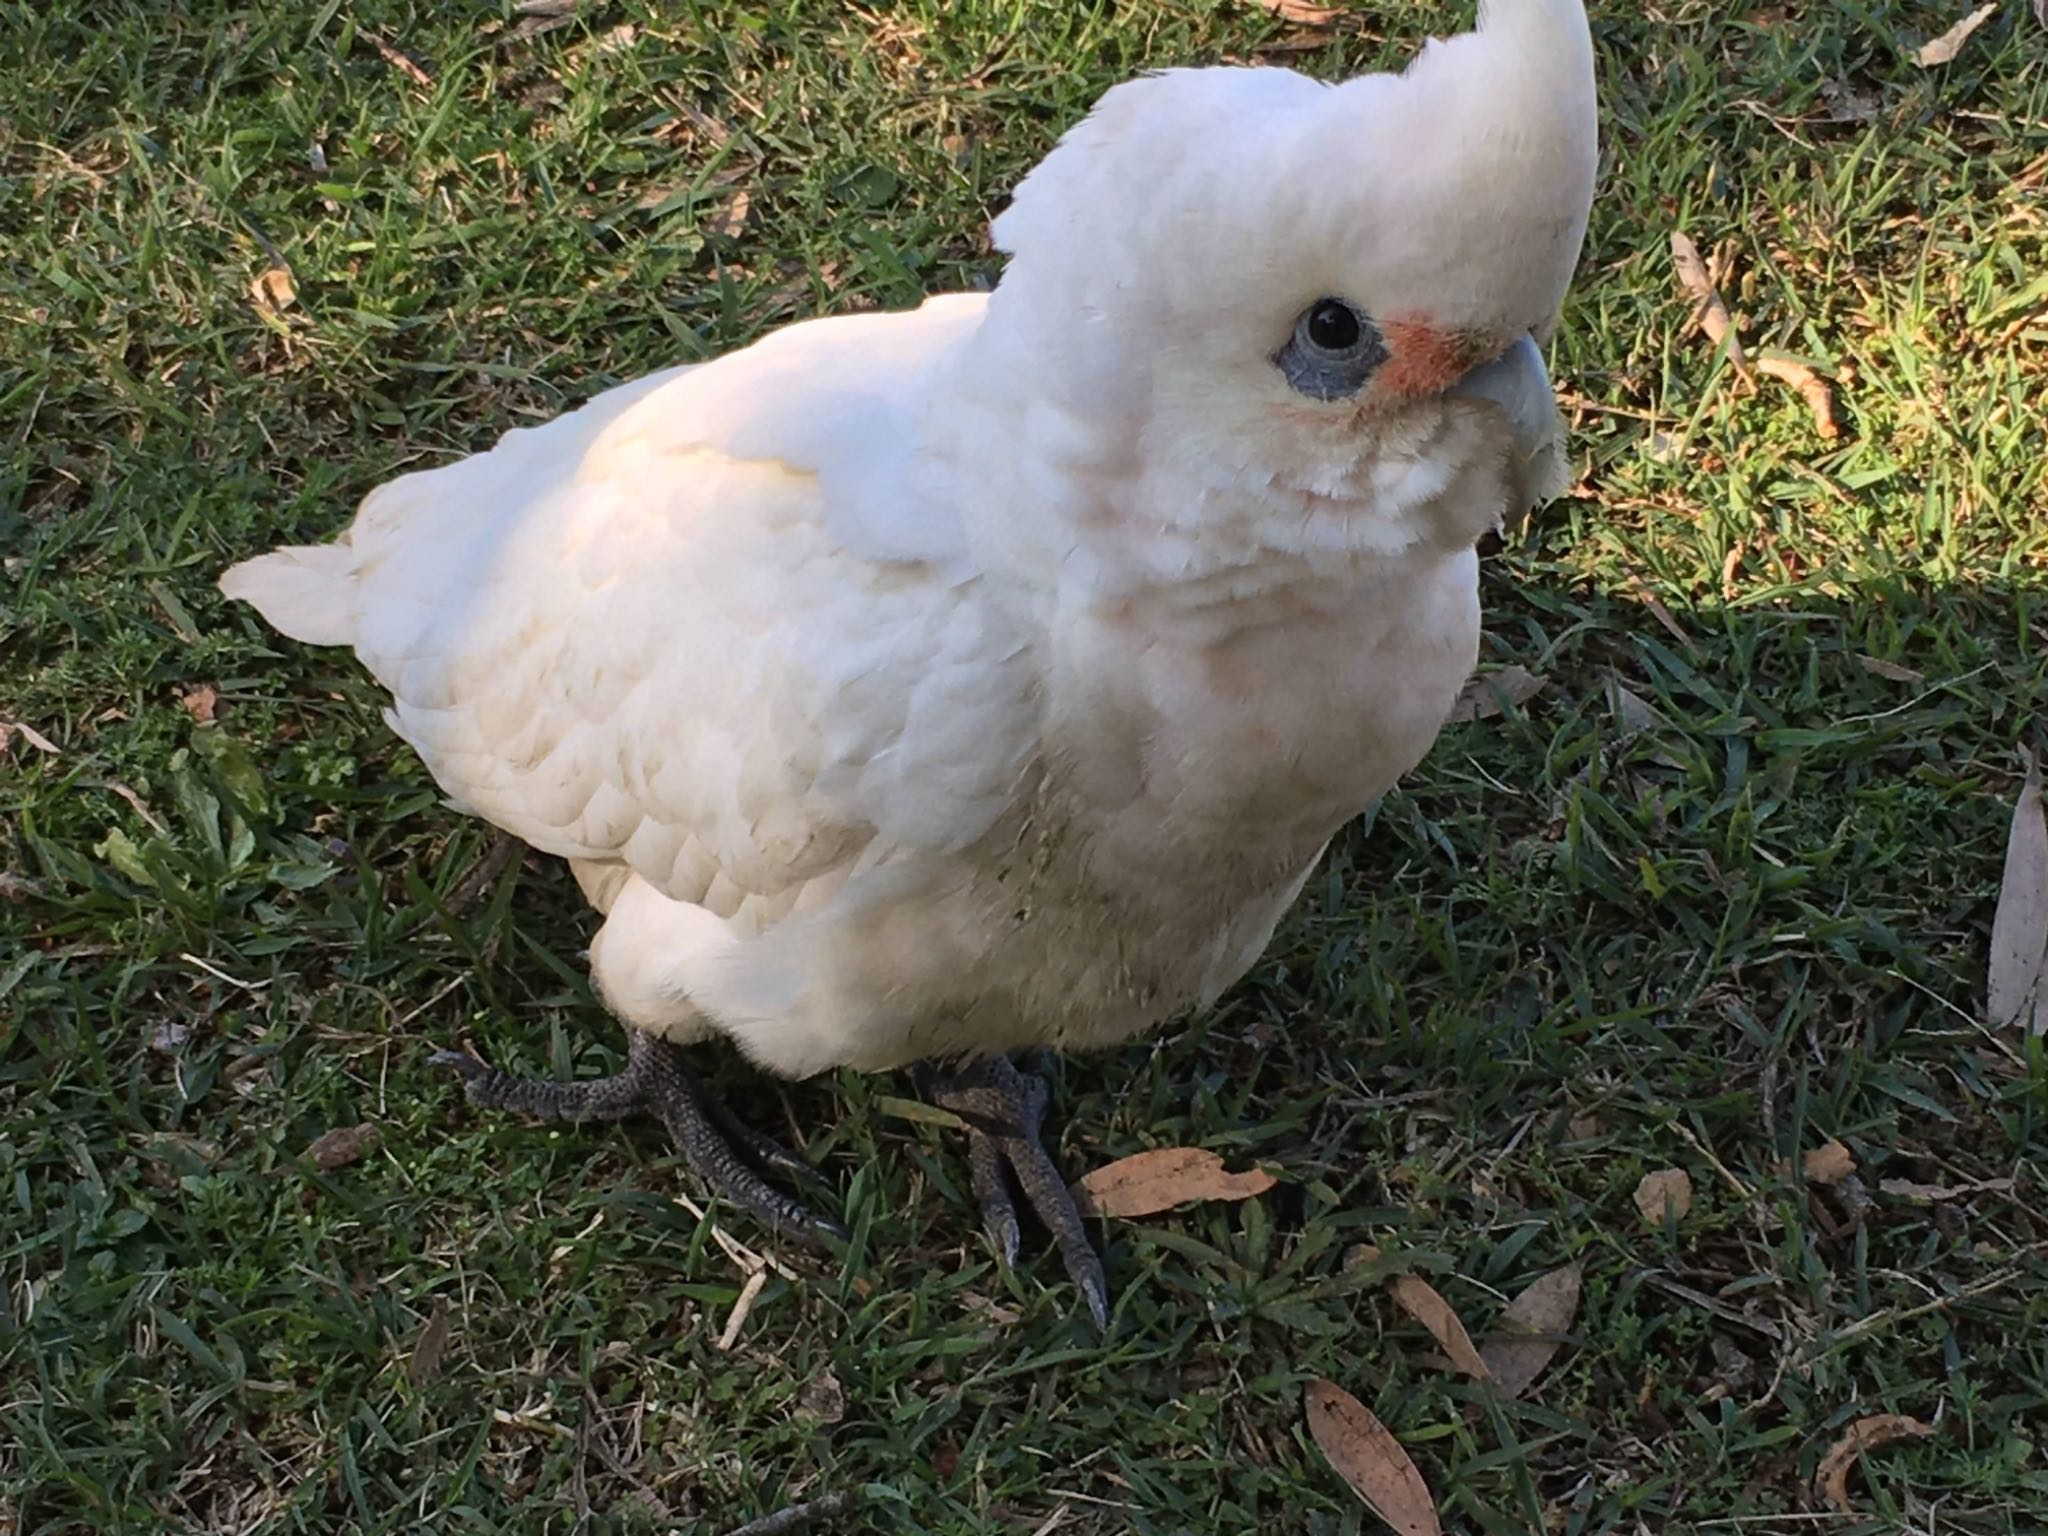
1333,351
1334,326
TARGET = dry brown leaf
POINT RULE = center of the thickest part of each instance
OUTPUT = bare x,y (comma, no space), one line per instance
341,1146
1709,313
139,806
1864,1434
425,1363
200,703
273,290
1877,666
1939,50
1484,697
1150,1182
1666,1189
1940,1194
823,1398
1532,1330
1829,1163
1660,612
2019,929
1419,1299
1368,1457
1631,711
29,734
732,218
1820,399
1301,13
399,60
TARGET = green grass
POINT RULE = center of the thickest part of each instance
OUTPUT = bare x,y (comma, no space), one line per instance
1566,953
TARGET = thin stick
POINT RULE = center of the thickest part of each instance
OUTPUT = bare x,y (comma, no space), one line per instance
797,1517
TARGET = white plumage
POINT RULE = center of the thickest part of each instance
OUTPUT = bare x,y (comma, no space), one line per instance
992,675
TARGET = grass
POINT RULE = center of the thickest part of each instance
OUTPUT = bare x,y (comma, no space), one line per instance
1582,943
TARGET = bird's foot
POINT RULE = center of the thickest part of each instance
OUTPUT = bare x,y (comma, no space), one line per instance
657,1081
1004,1110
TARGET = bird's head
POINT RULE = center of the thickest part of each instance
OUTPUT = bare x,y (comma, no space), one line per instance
1310,282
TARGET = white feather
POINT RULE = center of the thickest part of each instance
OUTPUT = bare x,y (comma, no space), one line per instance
993,674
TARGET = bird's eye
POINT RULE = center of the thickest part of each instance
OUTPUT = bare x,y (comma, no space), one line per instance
1333,351
1333,326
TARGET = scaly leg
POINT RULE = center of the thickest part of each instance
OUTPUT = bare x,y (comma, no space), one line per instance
657,1082
1005,1110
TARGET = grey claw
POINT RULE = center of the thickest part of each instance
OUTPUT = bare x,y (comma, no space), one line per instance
1007,1236
1095,1291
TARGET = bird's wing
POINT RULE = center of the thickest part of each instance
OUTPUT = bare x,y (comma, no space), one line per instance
697,627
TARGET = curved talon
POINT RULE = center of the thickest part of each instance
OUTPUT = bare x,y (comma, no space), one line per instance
1005,1110
656,1081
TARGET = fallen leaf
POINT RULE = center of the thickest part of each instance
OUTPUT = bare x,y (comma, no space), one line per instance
139,806
732,218
1864,1434
1366,1455
1829,1163
425,1363
1877,666
1150,1182
1666,1189
200,703
1532,1330
2019,929
273,290
398,59
1484,697
1939,50
341,1146
1359,1254
1709,313
823,1398
1419,1299
1301,13
1848,103
29,734
1819,398
1941,1194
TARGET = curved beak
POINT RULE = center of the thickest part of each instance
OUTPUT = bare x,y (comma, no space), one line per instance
1517,383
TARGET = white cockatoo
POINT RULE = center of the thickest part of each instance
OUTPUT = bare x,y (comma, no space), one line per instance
935,686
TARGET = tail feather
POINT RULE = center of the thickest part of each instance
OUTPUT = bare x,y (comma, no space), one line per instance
308,591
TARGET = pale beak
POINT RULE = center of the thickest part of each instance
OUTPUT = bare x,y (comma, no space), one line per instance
1517,382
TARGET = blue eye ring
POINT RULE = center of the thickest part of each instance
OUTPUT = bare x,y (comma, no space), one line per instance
1334,350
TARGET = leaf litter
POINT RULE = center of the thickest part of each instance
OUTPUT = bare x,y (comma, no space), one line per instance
341,1146
1147,1183
2019,928
1939,50
1531,1331
1828,1163
1366,1455
1710,313
1865,1434
1666,1190
1484,697
1421,1301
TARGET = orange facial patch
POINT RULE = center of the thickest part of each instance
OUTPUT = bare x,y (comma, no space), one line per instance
1425,360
